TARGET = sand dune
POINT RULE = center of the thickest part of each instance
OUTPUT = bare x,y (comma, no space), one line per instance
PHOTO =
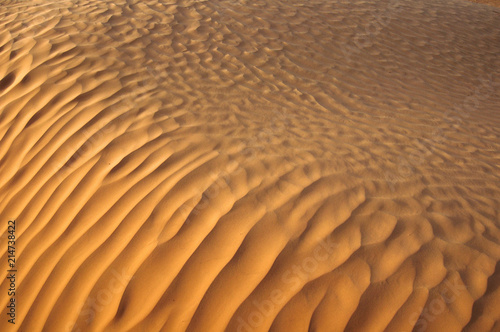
268,165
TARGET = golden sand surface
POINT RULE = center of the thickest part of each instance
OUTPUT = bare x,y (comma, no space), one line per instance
267,165
488,2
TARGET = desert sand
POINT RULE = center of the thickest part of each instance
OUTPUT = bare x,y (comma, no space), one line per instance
267,165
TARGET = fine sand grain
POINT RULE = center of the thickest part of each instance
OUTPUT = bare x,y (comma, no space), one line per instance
250,165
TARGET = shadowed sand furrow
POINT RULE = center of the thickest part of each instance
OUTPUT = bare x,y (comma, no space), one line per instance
190,165
114,244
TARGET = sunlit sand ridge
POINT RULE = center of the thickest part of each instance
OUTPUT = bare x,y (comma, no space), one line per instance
244,166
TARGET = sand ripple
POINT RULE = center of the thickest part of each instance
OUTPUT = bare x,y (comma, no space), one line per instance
248,166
